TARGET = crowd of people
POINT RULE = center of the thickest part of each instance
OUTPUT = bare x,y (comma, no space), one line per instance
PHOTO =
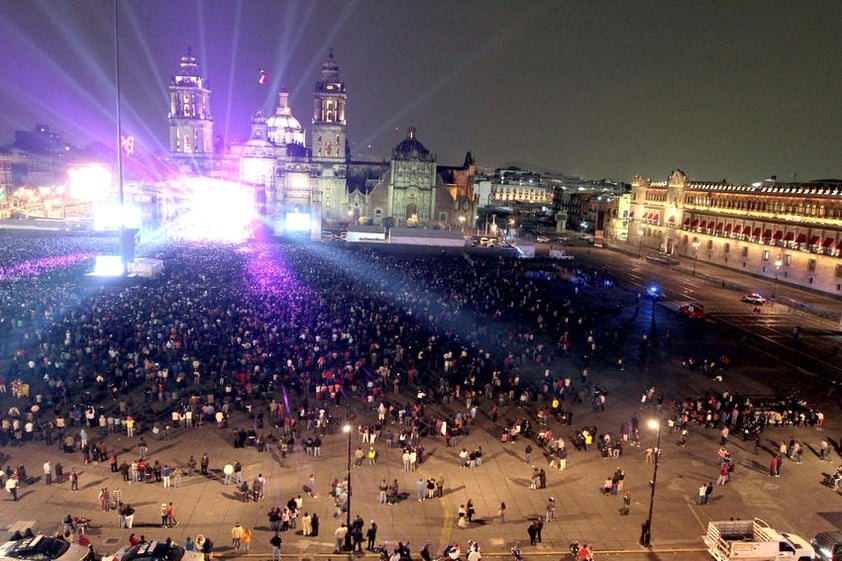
289,336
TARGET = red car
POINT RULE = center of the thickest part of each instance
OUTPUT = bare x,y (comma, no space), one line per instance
693,310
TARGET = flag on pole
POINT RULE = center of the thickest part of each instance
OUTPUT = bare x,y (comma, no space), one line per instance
262,78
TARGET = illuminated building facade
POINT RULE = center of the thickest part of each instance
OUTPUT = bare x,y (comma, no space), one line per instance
303,187
789,231
190,119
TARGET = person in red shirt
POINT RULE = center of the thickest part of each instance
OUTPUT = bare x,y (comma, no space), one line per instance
584,553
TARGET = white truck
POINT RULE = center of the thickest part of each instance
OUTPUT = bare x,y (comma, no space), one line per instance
560,254
754,540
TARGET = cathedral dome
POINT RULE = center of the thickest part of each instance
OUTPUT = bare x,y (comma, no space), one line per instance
411,149
283,127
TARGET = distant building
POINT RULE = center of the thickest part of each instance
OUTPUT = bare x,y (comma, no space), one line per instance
318,180
790,231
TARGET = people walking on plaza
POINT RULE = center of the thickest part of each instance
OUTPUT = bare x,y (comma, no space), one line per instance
550,509
59,472
528,453
74,480
626,503
311,485
228,471
163,513
501,513
420,489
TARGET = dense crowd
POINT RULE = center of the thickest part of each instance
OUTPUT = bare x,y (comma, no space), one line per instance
239,323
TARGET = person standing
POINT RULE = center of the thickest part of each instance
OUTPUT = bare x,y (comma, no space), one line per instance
532,530
384,488
371,534
314,523
501,513
551,509
171,519
245,543
74,480
207,549
204,463
105,499
528,453
59,472
723,474
420,488
311,485
12,487
163,513
48,472
276,541
129,516
775,466
339,534
462,514
626,503
703,488
237,537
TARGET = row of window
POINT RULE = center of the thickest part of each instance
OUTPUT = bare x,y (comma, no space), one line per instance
773,206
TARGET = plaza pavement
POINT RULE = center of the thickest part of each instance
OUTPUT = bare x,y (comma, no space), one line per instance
794,502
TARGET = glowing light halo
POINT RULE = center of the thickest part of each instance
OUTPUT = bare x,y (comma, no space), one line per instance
211,210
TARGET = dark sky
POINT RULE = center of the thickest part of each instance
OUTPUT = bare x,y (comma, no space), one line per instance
736,90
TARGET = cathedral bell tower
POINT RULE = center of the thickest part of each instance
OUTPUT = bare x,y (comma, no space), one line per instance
329,125
190,120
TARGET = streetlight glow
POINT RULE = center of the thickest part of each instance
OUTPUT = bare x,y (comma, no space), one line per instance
696,244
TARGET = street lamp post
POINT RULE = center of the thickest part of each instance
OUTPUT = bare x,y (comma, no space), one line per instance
646,533
347,429
639,242
778,264
696,245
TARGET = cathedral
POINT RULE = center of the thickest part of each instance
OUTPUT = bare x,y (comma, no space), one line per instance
305,183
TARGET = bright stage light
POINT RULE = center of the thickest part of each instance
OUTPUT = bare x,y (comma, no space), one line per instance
213,210
110,216
90,183
108,266
297,222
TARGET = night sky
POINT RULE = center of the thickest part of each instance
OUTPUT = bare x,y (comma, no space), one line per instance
736,90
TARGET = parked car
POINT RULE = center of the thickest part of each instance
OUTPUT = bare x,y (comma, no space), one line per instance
827,545
693,310
154,551
44,548
542,239
754,298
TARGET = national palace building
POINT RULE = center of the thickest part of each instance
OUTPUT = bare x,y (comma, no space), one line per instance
792,231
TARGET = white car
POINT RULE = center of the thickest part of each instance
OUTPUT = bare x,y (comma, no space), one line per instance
542,239
44,548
